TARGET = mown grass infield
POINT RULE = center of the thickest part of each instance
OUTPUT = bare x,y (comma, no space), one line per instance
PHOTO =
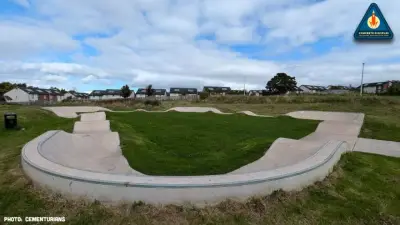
363,189
176,143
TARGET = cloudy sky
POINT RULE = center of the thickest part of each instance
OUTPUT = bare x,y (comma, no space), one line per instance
96,44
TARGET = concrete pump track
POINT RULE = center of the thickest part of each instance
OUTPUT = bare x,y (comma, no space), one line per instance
89,162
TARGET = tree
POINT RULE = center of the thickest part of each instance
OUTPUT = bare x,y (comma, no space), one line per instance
394,89
281,83
5,87
149,90
126,91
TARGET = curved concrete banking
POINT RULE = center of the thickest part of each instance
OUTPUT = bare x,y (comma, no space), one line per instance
198,190
288,164
71,111
89,152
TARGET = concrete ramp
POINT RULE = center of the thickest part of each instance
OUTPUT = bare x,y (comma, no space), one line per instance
87,152
71,111
96,116
331,116
196,109
388,148
91,127
283,152
336,127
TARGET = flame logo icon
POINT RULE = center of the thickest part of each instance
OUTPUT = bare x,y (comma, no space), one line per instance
373,21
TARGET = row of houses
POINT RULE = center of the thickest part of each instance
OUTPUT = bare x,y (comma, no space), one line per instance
30,94
33,94
158,93
371,88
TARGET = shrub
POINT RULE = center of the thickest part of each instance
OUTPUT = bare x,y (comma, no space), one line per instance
203,95
152,102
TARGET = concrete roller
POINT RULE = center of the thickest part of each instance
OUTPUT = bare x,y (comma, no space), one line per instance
96,116
92,127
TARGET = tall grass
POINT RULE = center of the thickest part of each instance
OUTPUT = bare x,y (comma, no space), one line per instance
311,98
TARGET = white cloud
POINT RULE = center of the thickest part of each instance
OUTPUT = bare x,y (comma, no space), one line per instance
55,78
154,41
22,40
24,3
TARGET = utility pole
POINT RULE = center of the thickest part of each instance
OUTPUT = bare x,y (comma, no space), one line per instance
244,87
362,80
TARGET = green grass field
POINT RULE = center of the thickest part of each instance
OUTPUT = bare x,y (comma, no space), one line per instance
199,144
363,189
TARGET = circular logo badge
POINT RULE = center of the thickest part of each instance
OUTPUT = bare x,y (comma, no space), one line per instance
373,21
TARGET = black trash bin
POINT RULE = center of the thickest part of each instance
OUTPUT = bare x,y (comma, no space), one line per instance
10,120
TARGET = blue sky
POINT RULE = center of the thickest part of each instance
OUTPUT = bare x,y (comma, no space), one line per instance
103,44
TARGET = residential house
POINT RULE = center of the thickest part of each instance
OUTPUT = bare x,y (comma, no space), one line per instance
96,95
297,90
20,94
105,94
378,87
313,89
177,92
338,89
255,92
112,94
141,93
216,90
76,95
160,93
54,95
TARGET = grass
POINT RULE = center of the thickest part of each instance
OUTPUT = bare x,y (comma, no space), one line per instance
363,189
382,119
176,143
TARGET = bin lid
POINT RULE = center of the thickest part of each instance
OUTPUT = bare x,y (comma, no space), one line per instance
10,114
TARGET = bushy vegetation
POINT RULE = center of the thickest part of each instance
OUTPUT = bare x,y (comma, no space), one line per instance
304,98
203,95
152,102
393,90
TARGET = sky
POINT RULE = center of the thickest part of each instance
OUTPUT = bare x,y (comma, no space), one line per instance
99,44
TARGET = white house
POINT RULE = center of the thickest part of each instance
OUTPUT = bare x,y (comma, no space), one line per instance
112,94
107,94
76,95
312,89
141,93
216,90
21,95
255,92
160,93
378,87
96,95
177,92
